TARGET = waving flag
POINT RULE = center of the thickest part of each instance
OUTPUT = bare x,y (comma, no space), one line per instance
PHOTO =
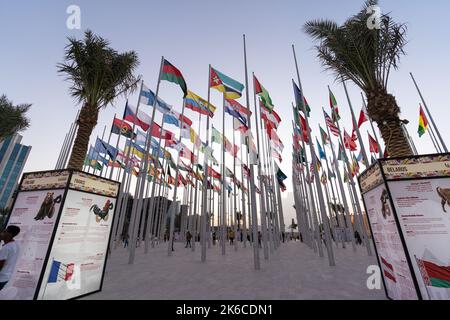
234,112
216,136
158,132
60,272
148,98
268,116
239,126
263,94
362,117
230,148
172,74
423,122
103,147
334,107
324,136
231,88
322,154
277,155
333,128
200,105
373,145
142,120
349,142
300,101
122,128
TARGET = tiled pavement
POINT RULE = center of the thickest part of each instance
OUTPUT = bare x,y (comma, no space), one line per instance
292,272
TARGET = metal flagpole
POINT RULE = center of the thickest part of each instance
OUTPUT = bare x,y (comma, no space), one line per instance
373,129
251,180
353,188
72,132
205,178
109,140
98,152
316,174
261,181
355,125
195,215
243,211
137,205
58,162
235,190
429,114
309,192
173,206
224,179
341,187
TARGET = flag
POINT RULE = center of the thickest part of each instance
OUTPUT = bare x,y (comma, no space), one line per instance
324,136
433,274
161,133
231,88
232,109
373,145
362,118
237,107
200,105
300,100
172,74
171,119
423,123
341,151
322,154
229,173
230,148
277,155
388,270
239,126
246,171
122,128
60,271
334,107
280,174
103,147
148,98
305,129
349,142
272,117
323,178
263,94
216,136
333,128
142,120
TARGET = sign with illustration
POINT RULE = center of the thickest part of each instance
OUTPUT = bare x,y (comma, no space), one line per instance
415,197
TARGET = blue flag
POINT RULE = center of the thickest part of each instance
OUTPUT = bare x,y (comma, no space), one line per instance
148,97
53,277
103,147
171,119
322,154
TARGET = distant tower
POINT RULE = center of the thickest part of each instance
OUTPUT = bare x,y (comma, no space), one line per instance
13,157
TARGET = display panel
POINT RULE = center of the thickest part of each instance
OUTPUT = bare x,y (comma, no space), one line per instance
391,256
77,257
35,213
423,209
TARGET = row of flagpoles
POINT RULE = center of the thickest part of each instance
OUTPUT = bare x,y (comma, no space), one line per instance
322,201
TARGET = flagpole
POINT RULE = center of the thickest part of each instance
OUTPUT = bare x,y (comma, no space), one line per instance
353,188
251,180
341,186
109,140
309,191
137,204
373,129
429,114
264,180
355,125
117,148
261,180
314,162
332,190
409,139
243,211
71,136
98,153
235,191
58,162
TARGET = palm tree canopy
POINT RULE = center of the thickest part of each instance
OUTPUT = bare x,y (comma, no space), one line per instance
358,53
12,118
98,73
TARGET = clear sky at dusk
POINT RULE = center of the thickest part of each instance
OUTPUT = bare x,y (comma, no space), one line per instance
193,33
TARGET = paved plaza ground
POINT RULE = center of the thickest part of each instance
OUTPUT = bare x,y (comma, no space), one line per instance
293,272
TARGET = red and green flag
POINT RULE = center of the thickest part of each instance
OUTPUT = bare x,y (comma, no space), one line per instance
325,137
263,94
434,275
334,107
172,74
423,123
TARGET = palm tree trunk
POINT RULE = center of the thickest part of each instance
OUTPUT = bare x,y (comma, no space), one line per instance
86,124
394,138
383,109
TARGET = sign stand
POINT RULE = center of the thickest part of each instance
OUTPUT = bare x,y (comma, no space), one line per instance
66,219
406,200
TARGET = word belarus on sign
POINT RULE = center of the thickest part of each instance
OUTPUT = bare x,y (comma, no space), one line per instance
415,197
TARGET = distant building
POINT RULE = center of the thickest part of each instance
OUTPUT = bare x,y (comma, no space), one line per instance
13,157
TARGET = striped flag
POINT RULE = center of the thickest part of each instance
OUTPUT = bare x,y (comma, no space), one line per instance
333,128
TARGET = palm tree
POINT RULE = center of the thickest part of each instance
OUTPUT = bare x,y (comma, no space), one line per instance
12,118
366,56
99,74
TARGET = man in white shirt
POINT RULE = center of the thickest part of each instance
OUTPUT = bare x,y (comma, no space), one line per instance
9,253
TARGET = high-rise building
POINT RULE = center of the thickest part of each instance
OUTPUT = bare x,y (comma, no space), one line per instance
13,156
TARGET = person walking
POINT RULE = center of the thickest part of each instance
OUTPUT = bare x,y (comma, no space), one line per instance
125,240
9,253
259,239
231,237
188,239
214,237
